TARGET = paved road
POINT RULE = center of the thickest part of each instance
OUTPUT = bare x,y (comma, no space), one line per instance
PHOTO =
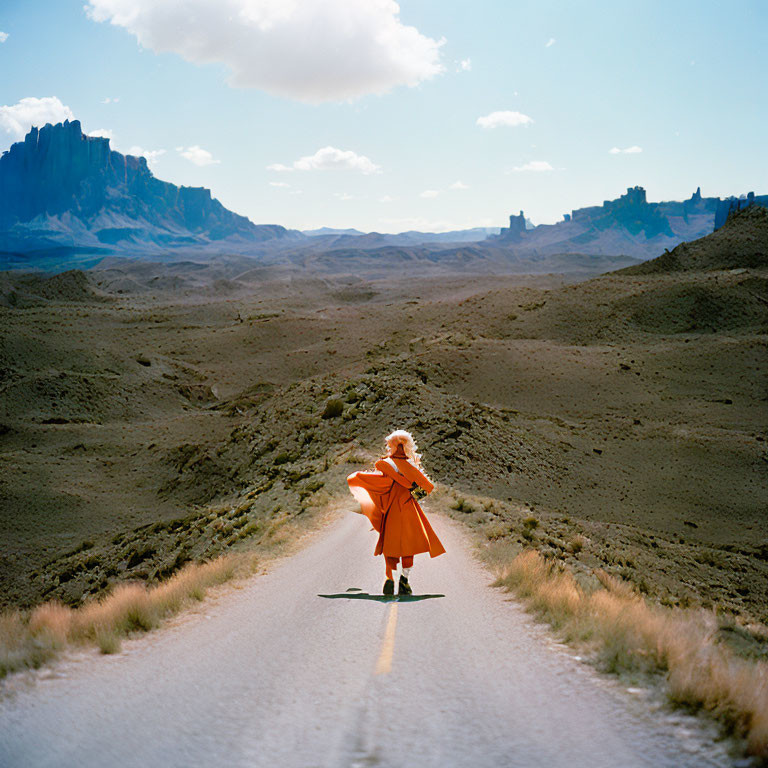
275,675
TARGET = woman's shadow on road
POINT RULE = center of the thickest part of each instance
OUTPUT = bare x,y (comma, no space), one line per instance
353,593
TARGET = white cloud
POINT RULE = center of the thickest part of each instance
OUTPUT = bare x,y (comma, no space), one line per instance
323,50
428,193
505,118
110,100
152,155
534,166
550,42
197,155
330,159
386,199
278,184
465,65
103,133
17,119
458,185
634,150
4,36
343,195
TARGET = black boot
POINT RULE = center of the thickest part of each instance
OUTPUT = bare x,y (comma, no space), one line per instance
404,588
389,587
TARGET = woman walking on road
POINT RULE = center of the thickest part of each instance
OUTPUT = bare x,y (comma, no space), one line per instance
386,499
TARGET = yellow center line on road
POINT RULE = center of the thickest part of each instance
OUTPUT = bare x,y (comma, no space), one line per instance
384,664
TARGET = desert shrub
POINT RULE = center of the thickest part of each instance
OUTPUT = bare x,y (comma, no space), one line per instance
252,527
87,544
333,409
310,488
462,505
494,531
139,555
576,544
352,413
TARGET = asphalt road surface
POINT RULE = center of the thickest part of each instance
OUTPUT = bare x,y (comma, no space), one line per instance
293,670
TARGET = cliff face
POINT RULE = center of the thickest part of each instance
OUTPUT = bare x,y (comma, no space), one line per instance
735,204
61,187
741,243
516,228
628,225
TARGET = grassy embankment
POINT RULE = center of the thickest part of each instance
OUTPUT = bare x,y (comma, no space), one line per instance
31,638
687,650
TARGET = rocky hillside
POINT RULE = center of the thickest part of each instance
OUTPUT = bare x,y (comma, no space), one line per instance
741,242
624,413
60,187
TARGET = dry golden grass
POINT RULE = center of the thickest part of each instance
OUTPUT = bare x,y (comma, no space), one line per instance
30,639
629,634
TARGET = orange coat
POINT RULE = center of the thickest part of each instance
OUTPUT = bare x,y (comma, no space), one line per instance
385,499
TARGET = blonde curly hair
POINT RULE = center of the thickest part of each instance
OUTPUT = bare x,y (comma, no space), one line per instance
401,437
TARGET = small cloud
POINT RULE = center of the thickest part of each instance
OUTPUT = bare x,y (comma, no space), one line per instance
296,192
343,196
428,193
458,185
330,159
110,100
503,119
103,133
197,155
534,166
151,155
465,65
3,37
386,199
550,42
633,150
278,184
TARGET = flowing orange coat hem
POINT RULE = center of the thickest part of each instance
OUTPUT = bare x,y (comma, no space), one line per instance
385,499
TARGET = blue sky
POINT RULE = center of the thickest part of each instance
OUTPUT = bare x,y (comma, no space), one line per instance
681,84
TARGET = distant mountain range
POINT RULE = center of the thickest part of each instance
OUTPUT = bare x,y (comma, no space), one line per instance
628,225
67,199
61,188
412,237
